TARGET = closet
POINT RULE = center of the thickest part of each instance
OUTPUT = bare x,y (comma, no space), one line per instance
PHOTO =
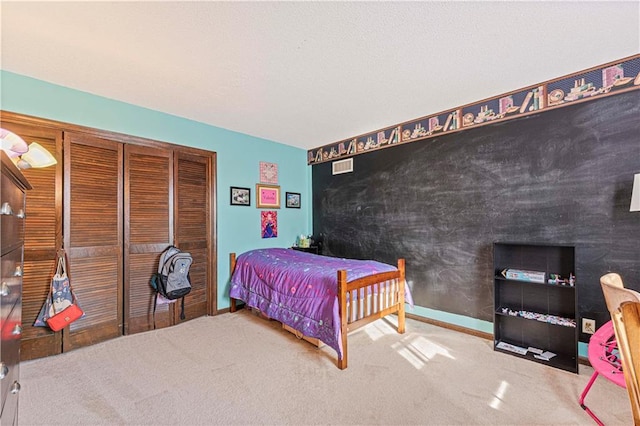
114,202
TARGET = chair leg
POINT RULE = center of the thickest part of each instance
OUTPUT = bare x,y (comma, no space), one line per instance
583,396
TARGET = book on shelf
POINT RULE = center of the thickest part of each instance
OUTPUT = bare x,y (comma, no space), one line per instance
534,350
522,275
511,348
545,356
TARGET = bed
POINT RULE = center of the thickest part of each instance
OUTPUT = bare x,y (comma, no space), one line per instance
313,294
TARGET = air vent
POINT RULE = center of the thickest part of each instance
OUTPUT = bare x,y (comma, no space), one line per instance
342,166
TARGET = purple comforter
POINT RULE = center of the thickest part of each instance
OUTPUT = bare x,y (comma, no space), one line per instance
299,289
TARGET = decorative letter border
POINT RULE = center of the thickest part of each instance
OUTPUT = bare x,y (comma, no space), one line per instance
594,83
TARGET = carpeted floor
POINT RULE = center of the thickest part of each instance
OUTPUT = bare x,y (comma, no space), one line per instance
242,369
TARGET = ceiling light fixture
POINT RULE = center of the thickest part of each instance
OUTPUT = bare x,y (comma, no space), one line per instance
25,157
12,144
36,157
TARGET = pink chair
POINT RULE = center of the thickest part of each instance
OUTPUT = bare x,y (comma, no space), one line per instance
603,349
605,360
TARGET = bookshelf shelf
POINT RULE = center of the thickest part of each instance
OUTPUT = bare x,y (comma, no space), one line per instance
531,283
560,321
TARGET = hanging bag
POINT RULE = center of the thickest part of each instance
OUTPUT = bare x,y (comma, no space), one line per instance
61,307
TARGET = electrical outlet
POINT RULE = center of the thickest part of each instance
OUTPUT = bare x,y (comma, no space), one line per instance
588,325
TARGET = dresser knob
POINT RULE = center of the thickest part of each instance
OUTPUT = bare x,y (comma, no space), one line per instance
17,330
15,387
6,209
4,370
5,289
18,271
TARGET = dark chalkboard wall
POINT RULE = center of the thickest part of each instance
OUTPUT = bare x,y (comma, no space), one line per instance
559,177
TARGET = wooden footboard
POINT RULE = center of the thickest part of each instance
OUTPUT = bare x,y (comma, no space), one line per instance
375,296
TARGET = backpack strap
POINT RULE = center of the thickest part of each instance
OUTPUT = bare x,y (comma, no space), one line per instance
155,304
182,316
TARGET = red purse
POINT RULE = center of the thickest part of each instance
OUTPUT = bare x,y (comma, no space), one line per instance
63,306
65,317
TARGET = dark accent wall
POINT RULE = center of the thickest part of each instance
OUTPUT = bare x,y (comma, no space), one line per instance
562,176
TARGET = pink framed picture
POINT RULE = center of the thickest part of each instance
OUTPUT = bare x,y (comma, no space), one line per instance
268,172
267,196
269,223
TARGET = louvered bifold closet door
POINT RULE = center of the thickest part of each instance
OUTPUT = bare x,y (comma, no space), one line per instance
194,224
43,236
93,229
148,232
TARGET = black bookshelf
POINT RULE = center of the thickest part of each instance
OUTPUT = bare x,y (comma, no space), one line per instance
538,315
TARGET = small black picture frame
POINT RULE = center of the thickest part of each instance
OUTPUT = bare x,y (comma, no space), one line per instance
240,196
293,200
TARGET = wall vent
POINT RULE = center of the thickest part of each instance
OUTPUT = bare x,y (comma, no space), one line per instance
342,166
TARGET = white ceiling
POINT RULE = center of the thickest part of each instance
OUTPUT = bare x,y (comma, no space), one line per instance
310,73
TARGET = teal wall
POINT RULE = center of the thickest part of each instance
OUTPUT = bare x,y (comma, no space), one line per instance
238,157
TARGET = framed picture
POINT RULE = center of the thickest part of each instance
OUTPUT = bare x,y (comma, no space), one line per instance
267,196
293,200
268,173
269,223
240,196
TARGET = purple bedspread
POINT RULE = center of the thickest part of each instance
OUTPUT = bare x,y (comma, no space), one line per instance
299,289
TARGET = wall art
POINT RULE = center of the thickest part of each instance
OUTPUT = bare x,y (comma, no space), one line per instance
269,223
268,172
240,196
292,200
267,196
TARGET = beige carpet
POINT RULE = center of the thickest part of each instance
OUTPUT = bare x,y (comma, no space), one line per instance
241,369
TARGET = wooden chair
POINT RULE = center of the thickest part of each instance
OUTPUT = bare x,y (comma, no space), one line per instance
612,279
614,292
626,321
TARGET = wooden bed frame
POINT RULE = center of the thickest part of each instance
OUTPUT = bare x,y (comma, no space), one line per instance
386,292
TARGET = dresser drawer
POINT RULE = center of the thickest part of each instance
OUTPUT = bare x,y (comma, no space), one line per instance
12,215
10,326
10,279
9,414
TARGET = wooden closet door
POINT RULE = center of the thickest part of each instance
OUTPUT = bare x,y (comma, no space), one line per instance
194,228
93,228
43,237
148,231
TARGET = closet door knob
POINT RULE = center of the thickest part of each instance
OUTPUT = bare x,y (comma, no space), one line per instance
4,370
6,209
21,214
18,272
5,289
15,387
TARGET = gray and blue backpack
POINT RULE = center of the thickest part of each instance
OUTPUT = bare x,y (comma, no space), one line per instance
172,280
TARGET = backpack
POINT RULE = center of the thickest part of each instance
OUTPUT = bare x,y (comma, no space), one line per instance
172,280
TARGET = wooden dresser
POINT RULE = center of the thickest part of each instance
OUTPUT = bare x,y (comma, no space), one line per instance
12,214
